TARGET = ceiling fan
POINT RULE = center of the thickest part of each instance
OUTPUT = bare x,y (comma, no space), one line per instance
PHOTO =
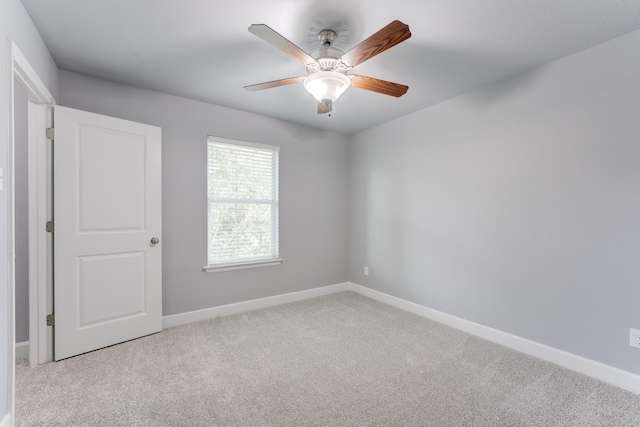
327,67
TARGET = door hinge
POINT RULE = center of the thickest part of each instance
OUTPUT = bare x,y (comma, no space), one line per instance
50,226
51,133
51,320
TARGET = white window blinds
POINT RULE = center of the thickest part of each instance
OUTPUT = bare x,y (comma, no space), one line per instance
243,202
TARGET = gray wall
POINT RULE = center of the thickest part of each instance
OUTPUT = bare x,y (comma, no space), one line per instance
313,196
516,206
16,25
21,156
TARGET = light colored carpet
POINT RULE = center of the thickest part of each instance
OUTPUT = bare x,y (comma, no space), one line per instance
337,360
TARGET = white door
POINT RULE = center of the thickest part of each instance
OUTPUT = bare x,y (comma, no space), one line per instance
107,247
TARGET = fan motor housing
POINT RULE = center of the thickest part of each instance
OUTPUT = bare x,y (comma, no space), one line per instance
327,60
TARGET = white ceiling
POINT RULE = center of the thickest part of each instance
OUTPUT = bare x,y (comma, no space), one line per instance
201,49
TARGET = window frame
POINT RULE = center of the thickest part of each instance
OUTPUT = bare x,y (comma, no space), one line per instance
275,228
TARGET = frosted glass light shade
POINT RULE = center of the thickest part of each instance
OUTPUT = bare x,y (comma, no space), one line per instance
326,85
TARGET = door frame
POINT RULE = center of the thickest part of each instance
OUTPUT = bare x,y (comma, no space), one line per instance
40,116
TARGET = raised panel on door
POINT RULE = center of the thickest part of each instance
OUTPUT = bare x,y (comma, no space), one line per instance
107,187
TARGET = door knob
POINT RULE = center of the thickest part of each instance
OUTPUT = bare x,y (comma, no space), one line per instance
155,240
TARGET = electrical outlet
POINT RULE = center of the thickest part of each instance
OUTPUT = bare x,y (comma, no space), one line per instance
634,341
366,270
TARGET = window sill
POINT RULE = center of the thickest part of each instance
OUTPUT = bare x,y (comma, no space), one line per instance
241,265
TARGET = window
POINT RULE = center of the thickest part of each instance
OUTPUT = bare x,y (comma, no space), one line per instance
242,187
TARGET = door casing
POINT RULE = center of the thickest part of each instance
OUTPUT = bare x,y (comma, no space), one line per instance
40,117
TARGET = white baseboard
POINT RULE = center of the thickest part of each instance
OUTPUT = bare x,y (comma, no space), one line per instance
609,374
6,421
225,310
22,350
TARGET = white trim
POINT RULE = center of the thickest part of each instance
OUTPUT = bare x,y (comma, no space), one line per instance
240,307
11,247
23,70
18,68
609,374
241,265
617,377
40,284
22,350
40,242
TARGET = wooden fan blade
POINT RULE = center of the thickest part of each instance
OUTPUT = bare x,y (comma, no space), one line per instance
270,36
275,83
380,86
394,33
324,106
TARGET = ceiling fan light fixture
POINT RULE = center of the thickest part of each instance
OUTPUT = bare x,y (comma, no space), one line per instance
324,85
328,66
